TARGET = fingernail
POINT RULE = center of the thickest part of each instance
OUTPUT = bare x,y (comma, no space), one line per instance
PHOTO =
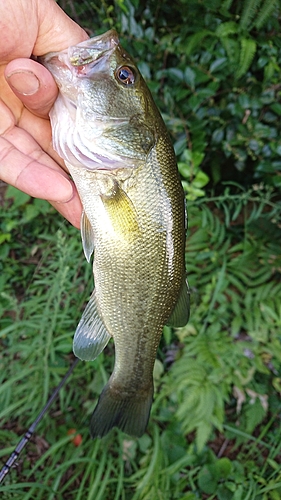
24,82
64,191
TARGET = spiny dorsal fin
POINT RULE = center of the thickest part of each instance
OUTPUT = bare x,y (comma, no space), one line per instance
91,335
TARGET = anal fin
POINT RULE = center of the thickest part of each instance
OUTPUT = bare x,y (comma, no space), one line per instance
180,313
91,335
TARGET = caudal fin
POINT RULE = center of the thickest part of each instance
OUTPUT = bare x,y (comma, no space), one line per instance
129,413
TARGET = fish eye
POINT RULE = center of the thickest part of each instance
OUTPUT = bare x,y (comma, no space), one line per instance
125,75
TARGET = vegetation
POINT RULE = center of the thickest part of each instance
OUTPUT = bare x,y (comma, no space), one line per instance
214,432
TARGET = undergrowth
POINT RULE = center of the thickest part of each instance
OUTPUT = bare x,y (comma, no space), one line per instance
214,431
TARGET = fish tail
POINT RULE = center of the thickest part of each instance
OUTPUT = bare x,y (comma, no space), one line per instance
130,413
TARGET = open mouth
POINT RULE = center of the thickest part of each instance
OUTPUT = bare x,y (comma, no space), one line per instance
84,54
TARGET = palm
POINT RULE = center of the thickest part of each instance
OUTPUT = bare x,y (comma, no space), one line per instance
27,159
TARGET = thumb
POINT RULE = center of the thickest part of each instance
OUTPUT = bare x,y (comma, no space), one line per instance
33,84
30,81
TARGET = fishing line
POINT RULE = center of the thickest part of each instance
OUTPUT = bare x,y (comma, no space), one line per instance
23,442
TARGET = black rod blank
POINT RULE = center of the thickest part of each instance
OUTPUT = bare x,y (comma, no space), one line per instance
23,442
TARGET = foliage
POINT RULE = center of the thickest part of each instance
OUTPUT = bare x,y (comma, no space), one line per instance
231,346
214,68
215,424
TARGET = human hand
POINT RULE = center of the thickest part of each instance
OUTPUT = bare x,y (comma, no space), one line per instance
27,93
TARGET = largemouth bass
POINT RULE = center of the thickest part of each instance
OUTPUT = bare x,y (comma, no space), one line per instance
115,144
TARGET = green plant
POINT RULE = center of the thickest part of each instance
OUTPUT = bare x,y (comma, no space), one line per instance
214,69
233,339
218,377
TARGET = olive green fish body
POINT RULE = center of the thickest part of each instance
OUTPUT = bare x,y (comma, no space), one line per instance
134,221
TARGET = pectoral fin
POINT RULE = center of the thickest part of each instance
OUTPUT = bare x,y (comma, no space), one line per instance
121,211
87,235
91,335
180,314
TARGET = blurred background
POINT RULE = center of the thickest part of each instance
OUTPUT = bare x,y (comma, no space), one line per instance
214,71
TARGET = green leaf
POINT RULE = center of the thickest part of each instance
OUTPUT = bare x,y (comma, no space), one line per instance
207,480
226,29
276,107
189,77
218,64
224,467
31,212
203,432
5,237
200,180
195,40
19,198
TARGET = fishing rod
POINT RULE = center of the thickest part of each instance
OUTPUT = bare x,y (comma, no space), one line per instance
23,442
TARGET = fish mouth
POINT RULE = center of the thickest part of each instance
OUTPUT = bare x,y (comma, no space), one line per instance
81,58
90,50
89,59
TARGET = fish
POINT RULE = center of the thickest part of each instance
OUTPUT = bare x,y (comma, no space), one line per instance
107,128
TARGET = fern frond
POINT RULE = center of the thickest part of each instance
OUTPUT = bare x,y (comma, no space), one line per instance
231,48
264,13
226,29
226,6
248,50
267,290
248,13
236,282
195,40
